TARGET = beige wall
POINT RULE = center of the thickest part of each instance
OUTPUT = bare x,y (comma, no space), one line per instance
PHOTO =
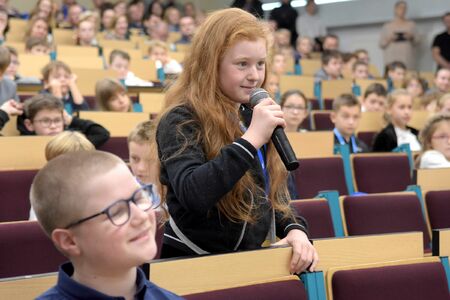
27,5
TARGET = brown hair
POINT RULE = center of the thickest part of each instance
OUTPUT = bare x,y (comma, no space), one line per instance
327,55
35,41
289,93
105,90
67,141
142,133
377,89
31,23
198,88
359,63
345,100
58,192
392,97
430,127
118,53
5,58
155,43
54,66
39,102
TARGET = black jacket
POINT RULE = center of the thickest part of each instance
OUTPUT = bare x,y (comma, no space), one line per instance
3,118
195,184
386,140
255,8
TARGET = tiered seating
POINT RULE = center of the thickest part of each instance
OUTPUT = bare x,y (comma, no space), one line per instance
317,214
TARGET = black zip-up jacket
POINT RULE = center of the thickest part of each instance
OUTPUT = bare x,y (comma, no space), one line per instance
386,140
195,185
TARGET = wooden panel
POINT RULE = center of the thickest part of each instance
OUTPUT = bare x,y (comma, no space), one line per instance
23,152
178,56
441,242
365,83
32,65
187,276
118,124
66,50
173,37
152,102
116,44
419,118
64,37
82,62
302,83
20,47
312,144
87,79
144,69
337,252
433,179
373,70
371,121
310,66
429,77
25,288
333,88
10,128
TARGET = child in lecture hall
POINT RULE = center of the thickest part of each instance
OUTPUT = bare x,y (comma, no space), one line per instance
273,86
444,104
103,221
86,33
435,139
331,66
304,47
119,61
295,108
12,72
64,142
61,83
8,88
374,98
397,132
395,74
37,46
159,51
110,95
45,115
279,66
345,116
213,150
416,87
360,70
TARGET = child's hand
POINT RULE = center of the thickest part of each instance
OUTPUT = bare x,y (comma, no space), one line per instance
54,86
12,108
73,79
67,118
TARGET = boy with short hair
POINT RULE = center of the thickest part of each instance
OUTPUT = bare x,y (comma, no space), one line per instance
45,115
37,46
103,221
61,83
375,98
8,88
360,70
395,72
345,116
119,61
331,66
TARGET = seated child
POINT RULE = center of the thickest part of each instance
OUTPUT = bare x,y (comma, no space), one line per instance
435,138
45,115
110,95
395,74
360,70
279,64
374,98
304,48
61,83
64,142
331,66
397,132
37,46
159,51
416,86
7,109
295,108
362,55
8,88
273,86
444,104
103,222
345,116
119,61
12,72
86,32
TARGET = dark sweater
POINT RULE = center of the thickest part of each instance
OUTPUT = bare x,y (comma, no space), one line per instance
3,118
195,184
386,140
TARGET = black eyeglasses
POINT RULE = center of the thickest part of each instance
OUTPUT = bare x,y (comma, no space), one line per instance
119,212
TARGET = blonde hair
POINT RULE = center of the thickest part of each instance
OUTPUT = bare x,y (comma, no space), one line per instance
67,141
59,192
198,88
155,43
442,100
105,90
142,133
30,26
393,96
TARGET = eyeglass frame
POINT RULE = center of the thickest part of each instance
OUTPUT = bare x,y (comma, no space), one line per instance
105,211
52,121
444,138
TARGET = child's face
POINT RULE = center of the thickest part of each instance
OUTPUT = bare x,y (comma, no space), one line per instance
440,140
63,77
442,81
121,26
86,31
361,72
45,8
39,50
105,246
120,65
273,85
39,30
346,120
120,103
121,8
11,71
414,88
107,18
334,67
374,102
304,46
159,53
173,15
242,69
363,56
398,74
140,161
279,64
47,122
401,111
295,110
282,39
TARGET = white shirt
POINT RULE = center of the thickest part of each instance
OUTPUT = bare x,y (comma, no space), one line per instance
310,26
433,159
133,80
172,67
404,136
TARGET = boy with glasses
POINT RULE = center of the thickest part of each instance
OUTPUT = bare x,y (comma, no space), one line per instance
45,115
105,224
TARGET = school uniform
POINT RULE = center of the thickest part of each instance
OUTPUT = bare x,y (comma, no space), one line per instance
355,145
387,139
68,289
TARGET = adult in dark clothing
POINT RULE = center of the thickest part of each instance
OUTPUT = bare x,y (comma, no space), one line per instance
441,45
285,16
252,6
226,185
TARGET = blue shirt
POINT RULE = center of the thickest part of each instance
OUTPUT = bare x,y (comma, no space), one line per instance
69,289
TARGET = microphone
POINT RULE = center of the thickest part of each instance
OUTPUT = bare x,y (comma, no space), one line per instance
279,138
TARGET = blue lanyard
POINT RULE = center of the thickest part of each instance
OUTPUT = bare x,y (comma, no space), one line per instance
341,140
